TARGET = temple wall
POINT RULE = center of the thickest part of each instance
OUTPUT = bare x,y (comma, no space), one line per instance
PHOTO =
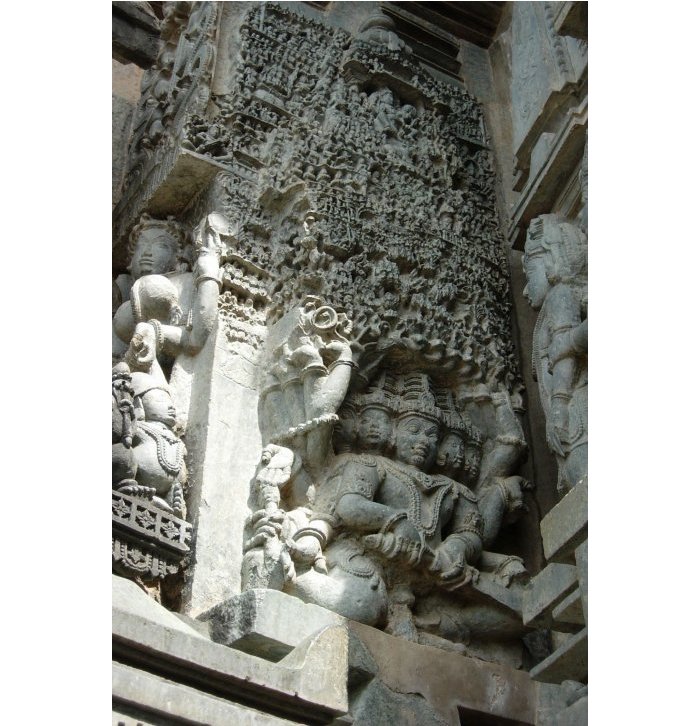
334,475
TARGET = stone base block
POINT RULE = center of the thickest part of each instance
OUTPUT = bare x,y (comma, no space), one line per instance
266,623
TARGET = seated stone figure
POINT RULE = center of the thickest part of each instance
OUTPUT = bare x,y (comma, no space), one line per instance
151,463
384,523
500,496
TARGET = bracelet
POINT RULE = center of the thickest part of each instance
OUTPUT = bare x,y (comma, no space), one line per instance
392,520
160,338
202,278
341,362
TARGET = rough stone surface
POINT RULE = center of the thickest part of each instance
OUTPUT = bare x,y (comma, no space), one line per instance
565,527
312,679
129,601
147,699
266,623
315,363
547,590
569,661
448,681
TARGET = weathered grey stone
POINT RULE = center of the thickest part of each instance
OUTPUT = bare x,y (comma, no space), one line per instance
143,698
547,590
310,681
266,623
565,527
555,262
562,704
582,566
569,661
572,19
379,704
349,380
450,682
135,31
569,611
130,602
574,715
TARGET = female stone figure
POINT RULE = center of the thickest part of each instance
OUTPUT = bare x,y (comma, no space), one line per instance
161,289
555,263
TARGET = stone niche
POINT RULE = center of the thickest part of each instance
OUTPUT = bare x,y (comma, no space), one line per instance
317,401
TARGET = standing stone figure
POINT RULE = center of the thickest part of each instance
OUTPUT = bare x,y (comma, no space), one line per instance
555,263
183,304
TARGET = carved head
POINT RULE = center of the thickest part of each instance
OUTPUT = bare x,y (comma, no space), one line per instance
374,428
345,429
152,399
555,251
157,246
417,440
158,406
472,455
155,297
451,452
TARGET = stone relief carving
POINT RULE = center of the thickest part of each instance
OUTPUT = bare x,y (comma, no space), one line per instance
182,306
388,521
369,275
174,89
555,263
150,534
168,312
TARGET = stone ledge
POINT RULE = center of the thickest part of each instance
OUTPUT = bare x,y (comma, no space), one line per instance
545,183
141,695
568,662
266,623
565,526
450,682
546,591
311,683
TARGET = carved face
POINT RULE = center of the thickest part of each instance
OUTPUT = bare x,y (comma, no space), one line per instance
537,284
472,463
417,441
158,406
344,431
374,429
451,452
154,253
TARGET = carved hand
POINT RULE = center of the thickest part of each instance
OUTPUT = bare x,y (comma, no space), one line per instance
266,527
277,469
395,547
451,568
